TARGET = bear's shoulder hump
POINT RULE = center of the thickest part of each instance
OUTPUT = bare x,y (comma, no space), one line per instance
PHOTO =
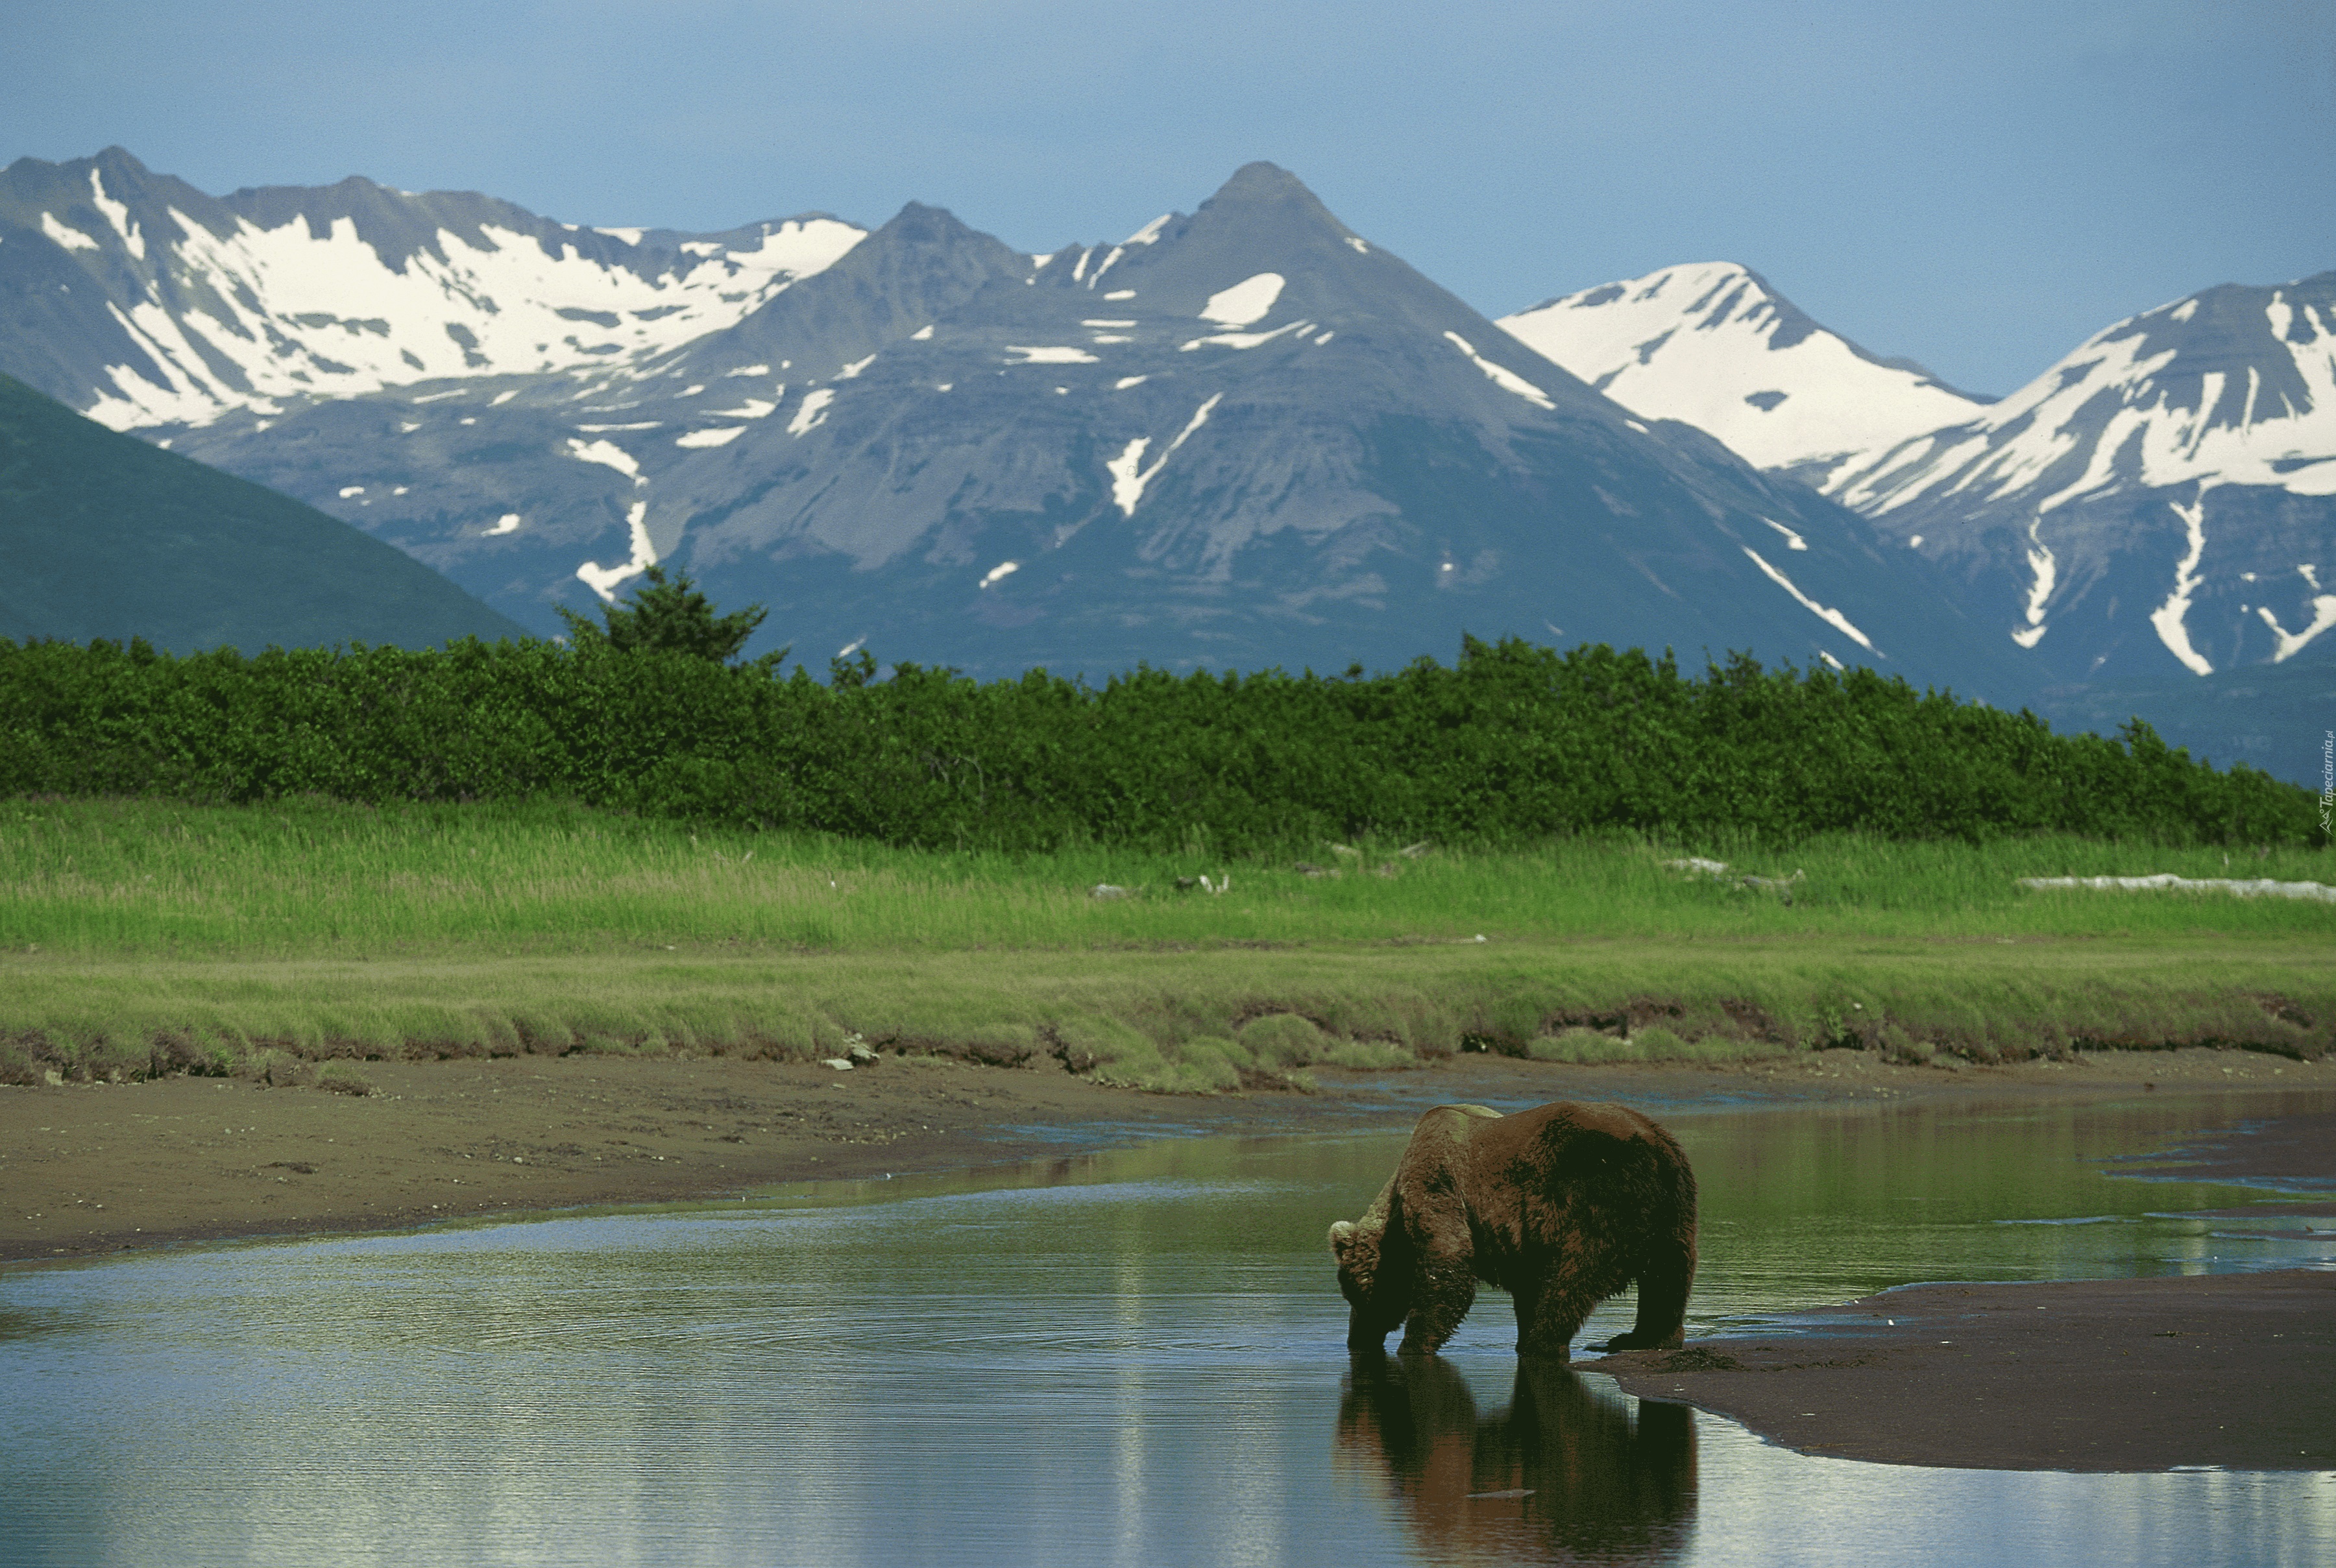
1457,1115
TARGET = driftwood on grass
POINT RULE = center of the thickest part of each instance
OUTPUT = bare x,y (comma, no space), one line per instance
1696,866
2260,888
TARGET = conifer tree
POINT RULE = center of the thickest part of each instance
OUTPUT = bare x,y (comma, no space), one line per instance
672,617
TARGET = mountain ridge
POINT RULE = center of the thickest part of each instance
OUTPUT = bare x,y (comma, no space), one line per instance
148,304
1240,437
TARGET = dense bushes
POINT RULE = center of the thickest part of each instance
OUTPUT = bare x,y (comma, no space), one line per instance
1515,743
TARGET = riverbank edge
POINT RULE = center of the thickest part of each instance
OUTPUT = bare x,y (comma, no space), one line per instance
93,1168
2207,1371
1180,1019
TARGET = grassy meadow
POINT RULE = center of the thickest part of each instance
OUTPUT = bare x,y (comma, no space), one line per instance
141,936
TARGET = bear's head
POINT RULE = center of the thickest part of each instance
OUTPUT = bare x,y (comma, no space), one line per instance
1357,1247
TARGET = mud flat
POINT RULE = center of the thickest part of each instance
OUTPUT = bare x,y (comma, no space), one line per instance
2236,1371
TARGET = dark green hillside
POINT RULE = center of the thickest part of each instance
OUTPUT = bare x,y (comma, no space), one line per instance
102,535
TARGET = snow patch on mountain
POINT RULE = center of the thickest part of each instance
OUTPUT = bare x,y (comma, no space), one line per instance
2046,569
2166,620
64,234
811,412
117,213
1832,618
609,455
1242,340
1128,481
1713,345
2287,644
1049,355
1507,380
603,580
1250,299
2235,385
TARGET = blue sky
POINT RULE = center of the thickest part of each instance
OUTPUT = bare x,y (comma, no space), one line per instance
1978,185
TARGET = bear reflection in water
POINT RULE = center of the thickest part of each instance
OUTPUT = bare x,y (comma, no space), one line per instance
1574,1471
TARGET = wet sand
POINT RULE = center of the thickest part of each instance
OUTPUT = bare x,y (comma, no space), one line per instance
2232,1371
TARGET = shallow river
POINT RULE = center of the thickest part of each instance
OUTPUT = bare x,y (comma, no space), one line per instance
1131,1359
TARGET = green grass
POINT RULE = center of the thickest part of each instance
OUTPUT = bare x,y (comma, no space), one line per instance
328,879
142,937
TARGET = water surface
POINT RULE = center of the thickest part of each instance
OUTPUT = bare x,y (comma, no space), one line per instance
1134,1358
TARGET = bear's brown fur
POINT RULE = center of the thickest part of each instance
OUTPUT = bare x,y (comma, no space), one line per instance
1561,1206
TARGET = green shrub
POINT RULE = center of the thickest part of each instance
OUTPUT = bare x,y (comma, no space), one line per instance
1512,744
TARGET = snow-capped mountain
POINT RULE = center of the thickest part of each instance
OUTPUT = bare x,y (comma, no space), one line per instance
1241,438
2162,500
1715,344
144,302
2164,496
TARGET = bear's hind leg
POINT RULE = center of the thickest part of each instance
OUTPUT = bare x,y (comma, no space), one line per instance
1663,1283
1549,1312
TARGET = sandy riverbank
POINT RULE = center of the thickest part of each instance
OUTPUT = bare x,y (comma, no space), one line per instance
2234,1370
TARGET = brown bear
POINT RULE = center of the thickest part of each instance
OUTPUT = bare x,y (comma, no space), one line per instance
1561,1206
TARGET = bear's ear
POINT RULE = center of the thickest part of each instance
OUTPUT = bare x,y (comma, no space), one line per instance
1342,1236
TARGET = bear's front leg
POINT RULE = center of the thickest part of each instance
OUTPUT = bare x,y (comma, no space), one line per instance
1445,1289
1368,1329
